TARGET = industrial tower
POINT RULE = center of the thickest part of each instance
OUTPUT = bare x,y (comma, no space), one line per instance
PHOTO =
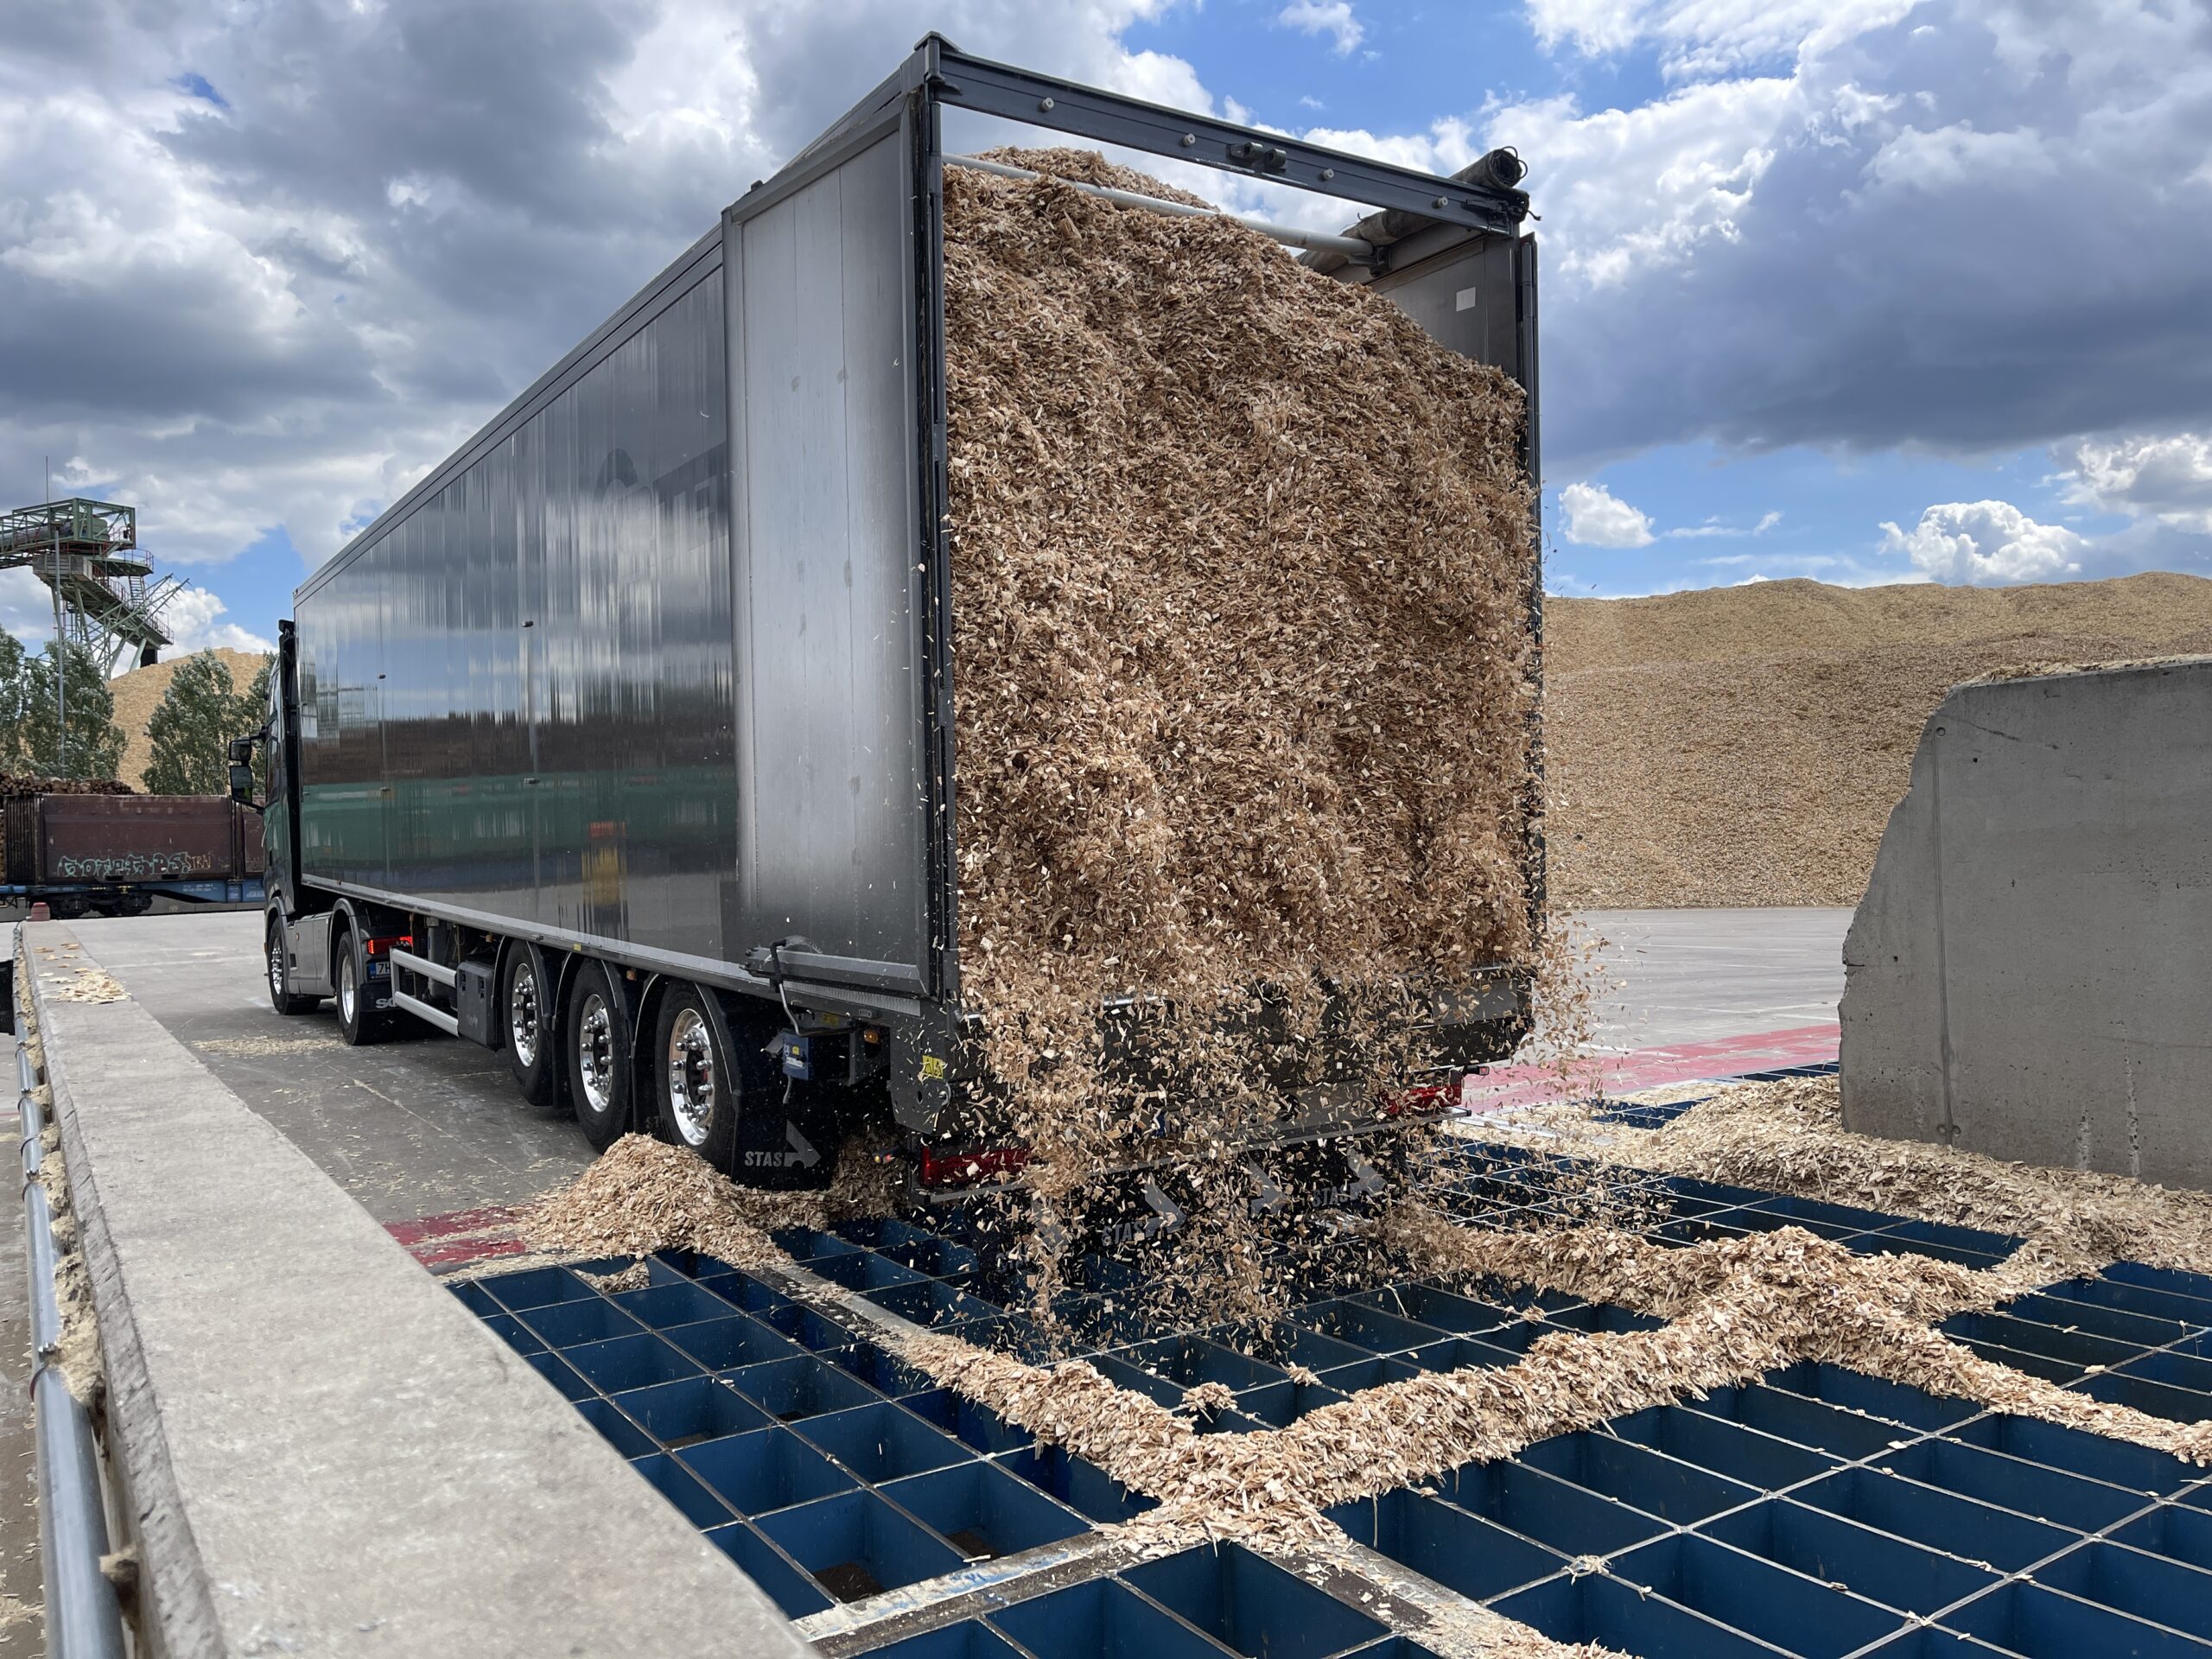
86,552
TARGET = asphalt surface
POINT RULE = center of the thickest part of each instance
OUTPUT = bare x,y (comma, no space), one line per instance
1695,976
424,1125
420,1124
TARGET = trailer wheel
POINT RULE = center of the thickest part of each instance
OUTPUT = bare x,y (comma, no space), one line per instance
695,1087
280,976
358,1023
526,1006
598,1047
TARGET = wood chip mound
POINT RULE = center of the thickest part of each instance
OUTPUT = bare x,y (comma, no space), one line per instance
642,1195
1745,745
1789,1137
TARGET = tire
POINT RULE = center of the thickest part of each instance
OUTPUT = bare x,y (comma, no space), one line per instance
279,975
695,1089
526,1007
358,1023
596,1040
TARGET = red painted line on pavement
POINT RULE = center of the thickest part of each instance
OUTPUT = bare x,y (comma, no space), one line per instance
1650,1068
456,1254
454,1221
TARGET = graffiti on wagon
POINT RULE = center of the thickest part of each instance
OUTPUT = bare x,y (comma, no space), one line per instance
131,866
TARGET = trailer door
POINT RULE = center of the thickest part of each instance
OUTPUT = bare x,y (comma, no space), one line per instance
833,812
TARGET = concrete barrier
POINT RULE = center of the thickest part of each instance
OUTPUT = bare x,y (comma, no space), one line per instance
2030,973
318,1449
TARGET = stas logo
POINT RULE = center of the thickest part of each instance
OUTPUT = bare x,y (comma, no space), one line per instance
796,1152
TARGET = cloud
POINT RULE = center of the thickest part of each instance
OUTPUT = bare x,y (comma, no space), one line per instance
191,621
261,272
1987,543
1712,527
1698,38
1596,517
1331,17
1833,231
2168,479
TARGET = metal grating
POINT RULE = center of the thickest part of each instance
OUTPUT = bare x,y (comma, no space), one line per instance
1817,1512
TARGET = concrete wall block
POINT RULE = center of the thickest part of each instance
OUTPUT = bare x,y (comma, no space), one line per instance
2031,972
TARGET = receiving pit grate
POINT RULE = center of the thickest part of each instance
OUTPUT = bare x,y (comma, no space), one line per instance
1816,1512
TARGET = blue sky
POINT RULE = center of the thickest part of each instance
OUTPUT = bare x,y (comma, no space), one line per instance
1865,290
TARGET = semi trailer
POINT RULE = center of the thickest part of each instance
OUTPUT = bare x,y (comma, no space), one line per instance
623,742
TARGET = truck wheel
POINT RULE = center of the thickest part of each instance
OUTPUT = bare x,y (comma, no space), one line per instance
599,1056
699,1085
527,1005
358,1023
280,976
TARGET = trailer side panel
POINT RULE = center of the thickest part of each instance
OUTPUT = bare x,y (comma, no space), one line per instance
517,698
833,745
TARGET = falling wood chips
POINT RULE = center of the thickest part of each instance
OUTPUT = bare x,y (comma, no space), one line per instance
1240,568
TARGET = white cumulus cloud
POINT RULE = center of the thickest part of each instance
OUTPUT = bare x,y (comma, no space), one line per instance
1985,543
2167,479
1330,17
1598,518
192,621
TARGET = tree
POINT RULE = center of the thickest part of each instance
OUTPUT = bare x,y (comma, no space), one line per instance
15,686
192,728
253,708
94,744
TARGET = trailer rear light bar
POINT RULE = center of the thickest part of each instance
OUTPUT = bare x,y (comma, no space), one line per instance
1357,252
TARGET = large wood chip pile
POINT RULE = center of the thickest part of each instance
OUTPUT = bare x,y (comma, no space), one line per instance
1241,654
1745,745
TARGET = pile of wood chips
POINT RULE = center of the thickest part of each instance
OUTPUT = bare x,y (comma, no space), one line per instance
642,1195
1745,745
1242,670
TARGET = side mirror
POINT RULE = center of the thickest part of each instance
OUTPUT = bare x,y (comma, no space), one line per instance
241,752
241,782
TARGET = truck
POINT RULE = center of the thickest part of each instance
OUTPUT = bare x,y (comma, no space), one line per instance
575,752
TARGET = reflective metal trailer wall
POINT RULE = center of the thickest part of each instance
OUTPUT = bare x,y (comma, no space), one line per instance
518,697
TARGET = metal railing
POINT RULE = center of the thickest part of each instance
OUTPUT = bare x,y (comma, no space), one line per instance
83,1618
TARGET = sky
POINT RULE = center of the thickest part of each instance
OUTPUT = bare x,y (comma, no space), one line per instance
1864,290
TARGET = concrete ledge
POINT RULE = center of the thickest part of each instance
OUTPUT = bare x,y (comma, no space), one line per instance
321,1450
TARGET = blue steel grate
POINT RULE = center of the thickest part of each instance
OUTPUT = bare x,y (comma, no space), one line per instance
1816,1512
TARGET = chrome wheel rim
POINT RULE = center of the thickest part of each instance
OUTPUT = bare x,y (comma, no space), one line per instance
595,1054
276,968
345,988
522,1014
691,1077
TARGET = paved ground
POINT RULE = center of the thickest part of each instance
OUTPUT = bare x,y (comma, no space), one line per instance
424,1126
419,1125
1696,976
